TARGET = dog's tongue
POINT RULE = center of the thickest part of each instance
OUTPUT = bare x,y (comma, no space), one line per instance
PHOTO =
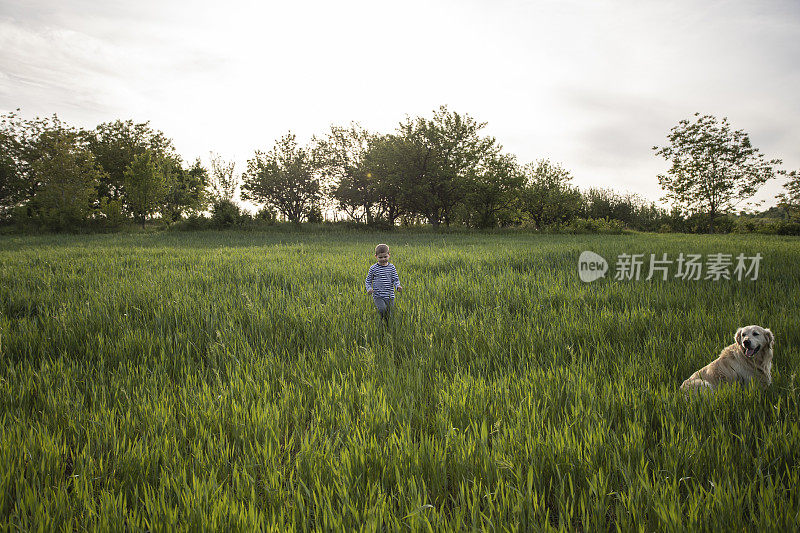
749,352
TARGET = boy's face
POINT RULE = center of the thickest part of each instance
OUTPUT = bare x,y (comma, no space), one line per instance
383,258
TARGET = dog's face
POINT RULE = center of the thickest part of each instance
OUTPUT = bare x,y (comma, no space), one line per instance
754,339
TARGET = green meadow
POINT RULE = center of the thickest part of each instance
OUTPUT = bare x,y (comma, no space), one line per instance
209,381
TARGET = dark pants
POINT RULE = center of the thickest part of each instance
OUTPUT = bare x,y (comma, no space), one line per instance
384,306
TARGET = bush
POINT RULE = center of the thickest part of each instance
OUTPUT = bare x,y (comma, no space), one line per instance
746,225
380,224
265,214
604,226
109,213
194,221
315,215
701,223
23,218
788,228
226,214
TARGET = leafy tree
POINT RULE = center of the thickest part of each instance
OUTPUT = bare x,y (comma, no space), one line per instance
606,203
145,185
23,142
67,180
548,197
649,216
224,181
226,213
439,154
342,159
185,190
116,144
366,173
387,163
631,209
10,185
491,188
713,168
285,178
790,200
195,186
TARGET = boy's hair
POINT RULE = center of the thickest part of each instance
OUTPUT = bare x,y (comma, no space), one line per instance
381,248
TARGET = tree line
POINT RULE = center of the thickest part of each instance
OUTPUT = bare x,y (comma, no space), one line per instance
437,170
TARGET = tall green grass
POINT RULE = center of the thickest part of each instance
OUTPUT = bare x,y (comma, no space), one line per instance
244,381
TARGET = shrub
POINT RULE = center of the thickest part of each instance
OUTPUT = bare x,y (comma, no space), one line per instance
788,228
746,225
109,213
595,225
315,215
226,214
23,217
194,221
265,214
701,223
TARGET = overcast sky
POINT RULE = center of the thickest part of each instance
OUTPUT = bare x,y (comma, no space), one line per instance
591,84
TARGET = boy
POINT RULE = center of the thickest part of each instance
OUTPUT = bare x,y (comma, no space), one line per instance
381,281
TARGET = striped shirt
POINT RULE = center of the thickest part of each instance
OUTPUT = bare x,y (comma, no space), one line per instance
382,280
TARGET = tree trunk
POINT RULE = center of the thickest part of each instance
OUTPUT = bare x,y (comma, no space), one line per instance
711,215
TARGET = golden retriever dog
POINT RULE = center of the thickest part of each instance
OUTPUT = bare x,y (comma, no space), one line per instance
749,358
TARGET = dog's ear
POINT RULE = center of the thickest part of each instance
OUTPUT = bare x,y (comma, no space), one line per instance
770,338
738,337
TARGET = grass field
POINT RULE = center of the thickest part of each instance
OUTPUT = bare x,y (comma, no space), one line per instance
242,380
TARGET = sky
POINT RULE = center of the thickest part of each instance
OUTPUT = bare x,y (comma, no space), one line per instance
590,84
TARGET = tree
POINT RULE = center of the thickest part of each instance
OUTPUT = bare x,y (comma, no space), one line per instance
194,187
491,188
548,197
224,181
713,168
351,184
284,178
67,178
145,185
790,200
387,167
116,144
221,190
438,155
22,143
607,203
631,209
363,172
185,190
9,175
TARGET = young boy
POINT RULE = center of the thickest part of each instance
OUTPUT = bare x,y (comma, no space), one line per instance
381,281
